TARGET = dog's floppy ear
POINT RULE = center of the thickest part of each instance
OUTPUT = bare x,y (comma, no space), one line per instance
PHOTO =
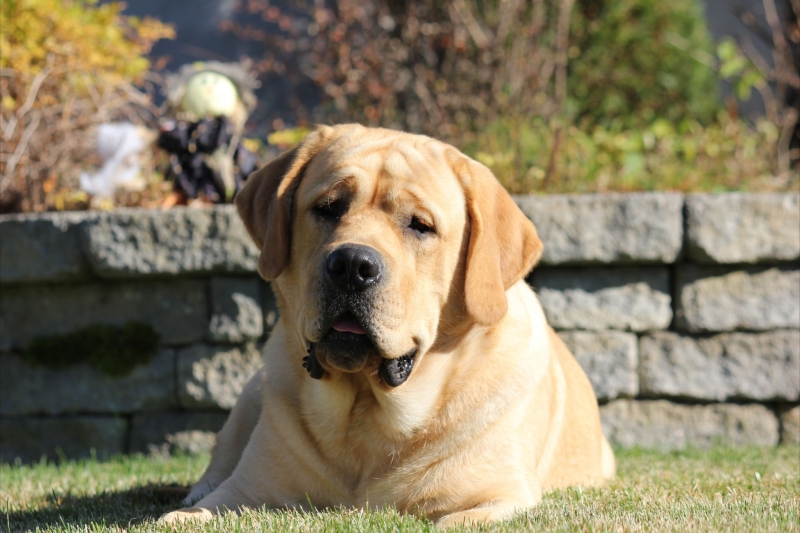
503,243
265,202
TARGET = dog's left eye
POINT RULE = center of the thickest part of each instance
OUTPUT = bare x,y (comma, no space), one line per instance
420,226
329,210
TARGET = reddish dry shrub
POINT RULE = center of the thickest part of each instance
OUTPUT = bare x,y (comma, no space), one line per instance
448,68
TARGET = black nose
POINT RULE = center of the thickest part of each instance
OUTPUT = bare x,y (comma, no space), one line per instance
354,268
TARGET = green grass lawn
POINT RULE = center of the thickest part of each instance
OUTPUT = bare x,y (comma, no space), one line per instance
717,490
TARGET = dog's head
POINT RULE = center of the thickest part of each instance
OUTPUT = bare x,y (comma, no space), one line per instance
381,244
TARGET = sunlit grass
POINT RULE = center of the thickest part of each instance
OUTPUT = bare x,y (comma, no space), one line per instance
717,490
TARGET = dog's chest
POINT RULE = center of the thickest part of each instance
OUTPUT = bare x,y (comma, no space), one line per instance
364,440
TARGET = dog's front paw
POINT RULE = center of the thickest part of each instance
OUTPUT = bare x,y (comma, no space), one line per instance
187,514
477,515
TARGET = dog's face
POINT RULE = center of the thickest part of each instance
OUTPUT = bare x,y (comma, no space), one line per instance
377,234
381,244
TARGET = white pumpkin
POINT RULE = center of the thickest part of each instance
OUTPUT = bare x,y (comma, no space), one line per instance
210,93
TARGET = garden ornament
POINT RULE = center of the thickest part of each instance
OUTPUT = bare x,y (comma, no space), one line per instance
207,107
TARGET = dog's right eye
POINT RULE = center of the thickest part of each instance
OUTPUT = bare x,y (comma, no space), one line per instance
421,227
329,210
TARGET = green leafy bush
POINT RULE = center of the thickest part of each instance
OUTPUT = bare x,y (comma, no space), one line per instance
547,157
633,61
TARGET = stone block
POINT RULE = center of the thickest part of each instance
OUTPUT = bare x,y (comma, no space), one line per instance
609,360
626,298
28,439
171,432
713,299
790,425
177,310
27,389
743,227
41,248
607,228
269,306
214,376
667,426
137,242
730,366
235,310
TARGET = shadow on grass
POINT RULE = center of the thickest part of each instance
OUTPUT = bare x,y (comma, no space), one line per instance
109,509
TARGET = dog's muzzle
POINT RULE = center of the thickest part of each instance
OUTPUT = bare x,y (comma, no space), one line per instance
352,273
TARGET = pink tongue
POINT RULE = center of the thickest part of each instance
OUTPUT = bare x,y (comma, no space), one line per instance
348,324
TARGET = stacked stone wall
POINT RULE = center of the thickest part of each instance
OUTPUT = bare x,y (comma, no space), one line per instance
683,310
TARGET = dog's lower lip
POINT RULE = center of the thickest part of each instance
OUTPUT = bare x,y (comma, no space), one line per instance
347,323
395,372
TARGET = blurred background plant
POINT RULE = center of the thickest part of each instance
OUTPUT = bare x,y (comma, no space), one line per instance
442,68
725,155
67,66
555,95
776,75
632,62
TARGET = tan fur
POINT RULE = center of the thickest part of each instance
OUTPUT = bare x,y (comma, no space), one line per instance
496,410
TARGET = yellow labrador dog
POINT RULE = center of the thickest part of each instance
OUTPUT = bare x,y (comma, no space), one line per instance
411,366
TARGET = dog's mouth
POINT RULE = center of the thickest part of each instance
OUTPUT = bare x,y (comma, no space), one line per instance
348,347
348,323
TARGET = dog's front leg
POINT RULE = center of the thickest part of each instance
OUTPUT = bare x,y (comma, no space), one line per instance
231,440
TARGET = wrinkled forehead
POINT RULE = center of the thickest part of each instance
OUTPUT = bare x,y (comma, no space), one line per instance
389,167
